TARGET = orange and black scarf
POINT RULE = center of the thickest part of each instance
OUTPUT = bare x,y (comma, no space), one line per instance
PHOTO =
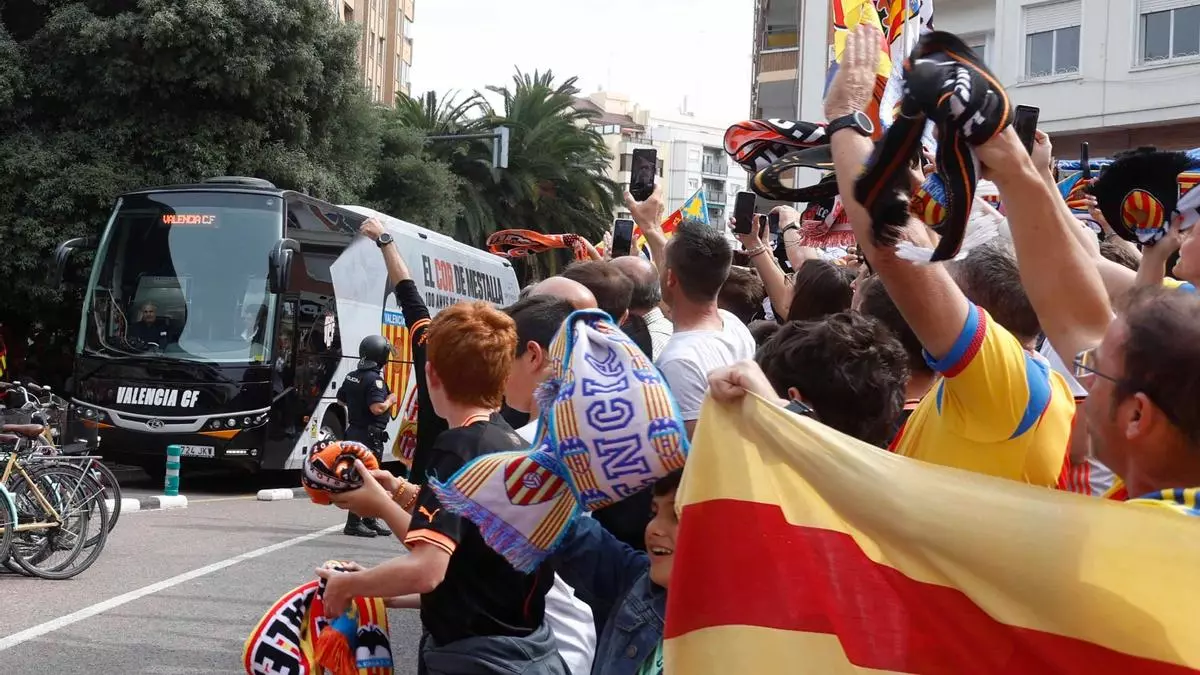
521,243
944,81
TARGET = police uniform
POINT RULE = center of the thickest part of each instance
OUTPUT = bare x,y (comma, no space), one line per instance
360,390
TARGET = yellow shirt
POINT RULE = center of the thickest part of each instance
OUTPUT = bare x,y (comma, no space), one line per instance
998,410
1178,285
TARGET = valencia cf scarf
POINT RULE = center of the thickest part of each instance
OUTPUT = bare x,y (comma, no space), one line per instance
295,638
608,429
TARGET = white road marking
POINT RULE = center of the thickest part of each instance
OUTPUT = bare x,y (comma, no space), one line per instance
112,603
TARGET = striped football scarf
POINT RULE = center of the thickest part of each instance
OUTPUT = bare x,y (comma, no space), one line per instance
521,243
1179,500
329,469
608,429
295,638
944,81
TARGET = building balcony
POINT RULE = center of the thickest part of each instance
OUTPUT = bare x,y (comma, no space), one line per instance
714,167
778,61
781,37
714,197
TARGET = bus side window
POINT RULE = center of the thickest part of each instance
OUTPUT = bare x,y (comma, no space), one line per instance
285,341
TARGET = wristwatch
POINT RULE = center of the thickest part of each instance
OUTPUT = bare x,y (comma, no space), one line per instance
858,121
383,240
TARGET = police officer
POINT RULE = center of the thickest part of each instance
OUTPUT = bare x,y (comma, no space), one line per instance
367,399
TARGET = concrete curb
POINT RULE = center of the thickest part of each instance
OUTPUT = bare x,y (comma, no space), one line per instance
128,504
163,502
276,494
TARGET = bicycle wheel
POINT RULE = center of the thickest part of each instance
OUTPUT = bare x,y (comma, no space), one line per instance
87,488
8,522
90,486
64,487
112,489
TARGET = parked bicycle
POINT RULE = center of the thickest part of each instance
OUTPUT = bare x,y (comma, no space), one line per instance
56,508
31,403
49,530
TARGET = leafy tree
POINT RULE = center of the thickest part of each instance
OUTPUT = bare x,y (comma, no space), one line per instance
101,96
409,184
470,160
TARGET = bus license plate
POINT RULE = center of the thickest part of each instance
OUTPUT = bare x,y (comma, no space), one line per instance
199,451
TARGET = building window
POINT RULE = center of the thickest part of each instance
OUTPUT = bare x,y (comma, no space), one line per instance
1052,34
979,45
693,184
1170,29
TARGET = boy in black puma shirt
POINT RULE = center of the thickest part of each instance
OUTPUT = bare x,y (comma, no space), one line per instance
480,615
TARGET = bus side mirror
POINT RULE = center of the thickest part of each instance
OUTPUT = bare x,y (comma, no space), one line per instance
61,272
280,265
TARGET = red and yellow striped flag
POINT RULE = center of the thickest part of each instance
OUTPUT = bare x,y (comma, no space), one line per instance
802,550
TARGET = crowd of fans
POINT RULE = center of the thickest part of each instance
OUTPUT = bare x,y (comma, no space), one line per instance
1009,361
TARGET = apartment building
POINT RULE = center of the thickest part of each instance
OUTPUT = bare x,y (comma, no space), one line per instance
1115,73
385,48
691,155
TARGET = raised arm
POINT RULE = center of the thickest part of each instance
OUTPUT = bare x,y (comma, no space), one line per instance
1058,273
930,301
416,318
648,216
769,271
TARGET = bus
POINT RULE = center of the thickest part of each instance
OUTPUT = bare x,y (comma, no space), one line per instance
222,316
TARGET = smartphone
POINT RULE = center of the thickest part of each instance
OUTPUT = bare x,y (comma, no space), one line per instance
643,169
773,222
1085,164
743,213
1025,122
622,238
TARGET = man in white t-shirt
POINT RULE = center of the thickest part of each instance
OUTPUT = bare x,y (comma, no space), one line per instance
696,263
538,319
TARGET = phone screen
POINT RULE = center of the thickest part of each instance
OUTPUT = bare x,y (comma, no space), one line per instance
622,240
773,222
1025,122
743,213
642,169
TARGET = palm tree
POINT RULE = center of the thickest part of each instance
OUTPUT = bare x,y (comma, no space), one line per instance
555,181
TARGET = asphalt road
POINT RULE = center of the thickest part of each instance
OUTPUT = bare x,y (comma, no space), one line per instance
179,591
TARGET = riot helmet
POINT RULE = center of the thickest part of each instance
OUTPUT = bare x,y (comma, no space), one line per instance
374,349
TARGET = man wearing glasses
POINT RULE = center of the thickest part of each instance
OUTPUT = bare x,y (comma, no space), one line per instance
1143,406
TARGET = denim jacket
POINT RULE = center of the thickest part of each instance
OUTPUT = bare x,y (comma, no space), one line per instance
615,581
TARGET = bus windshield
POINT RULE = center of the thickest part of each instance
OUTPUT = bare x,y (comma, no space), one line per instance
183,275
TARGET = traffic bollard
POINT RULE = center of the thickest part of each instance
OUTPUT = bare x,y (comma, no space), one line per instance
171,482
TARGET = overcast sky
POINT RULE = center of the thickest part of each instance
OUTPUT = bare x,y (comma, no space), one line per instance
700,49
